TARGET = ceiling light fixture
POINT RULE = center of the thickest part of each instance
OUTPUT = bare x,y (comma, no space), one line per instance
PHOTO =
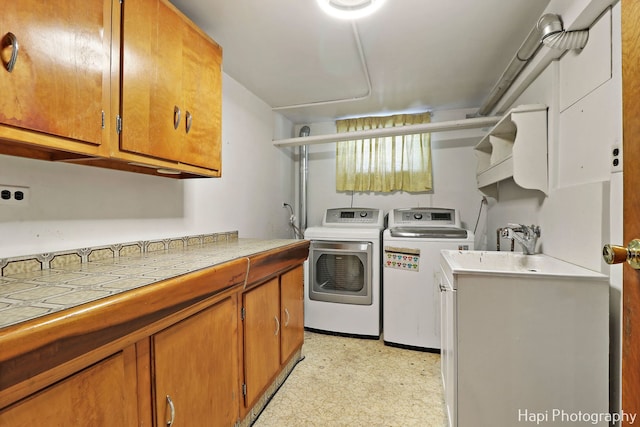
350,9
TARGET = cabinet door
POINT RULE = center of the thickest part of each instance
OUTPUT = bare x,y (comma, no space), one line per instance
261,338
101,395
59,84
195,365
151,79
171,86
448,353
292,315
202,84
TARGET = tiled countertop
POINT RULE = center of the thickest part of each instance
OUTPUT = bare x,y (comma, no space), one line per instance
55,286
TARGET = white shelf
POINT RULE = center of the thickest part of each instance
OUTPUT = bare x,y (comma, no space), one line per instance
516,147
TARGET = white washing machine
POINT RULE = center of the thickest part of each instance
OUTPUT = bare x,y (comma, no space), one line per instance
411,254
342,279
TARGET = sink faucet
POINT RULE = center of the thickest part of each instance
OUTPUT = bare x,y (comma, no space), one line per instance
526,235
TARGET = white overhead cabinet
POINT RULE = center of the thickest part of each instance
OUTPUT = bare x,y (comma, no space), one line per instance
515,148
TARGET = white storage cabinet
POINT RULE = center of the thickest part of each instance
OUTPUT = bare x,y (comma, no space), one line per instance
512,351
516,147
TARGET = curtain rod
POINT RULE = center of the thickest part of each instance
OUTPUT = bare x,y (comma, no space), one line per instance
473,123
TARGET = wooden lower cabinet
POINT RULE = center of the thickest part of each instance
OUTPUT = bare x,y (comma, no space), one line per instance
103,394
261,312
273,326
195,369
292,312
191,364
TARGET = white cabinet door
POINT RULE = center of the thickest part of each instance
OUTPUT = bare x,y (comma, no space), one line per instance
448,340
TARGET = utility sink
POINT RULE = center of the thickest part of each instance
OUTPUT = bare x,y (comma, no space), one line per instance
512,263
522,333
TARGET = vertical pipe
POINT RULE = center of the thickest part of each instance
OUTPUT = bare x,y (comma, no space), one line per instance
302,195
303,186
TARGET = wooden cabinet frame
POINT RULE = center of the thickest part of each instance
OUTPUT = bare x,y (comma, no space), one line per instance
272,315
35,132
39,353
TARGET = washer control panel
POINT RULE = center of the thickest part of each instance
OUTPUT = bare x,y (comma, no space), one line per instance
424,217
355,217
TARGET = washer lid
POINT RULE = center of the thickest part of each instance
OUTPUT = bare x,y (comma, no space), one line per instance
429,232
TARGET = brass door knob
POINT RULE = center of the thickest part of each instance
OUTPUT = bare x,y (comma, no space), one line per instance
614,254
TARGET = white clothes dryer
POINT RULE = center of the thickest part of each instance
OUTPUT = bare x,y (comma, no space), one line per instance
411,257
342,279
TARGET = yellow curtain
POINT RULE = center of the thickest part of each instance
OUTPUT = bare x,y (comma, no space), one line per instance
384,164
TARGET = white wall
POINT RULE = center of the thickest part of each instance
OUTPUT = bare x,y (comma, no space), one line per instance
583,210
78,206
583,126
257,178
453,176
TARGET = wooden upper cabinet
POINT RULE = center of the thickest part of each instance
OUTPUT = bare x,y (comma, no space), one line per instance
202,86
171,86
151,78
131,85
59,84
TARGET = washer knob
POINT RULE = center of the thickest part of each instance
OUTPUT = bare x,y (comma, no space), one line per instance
363,214
417,216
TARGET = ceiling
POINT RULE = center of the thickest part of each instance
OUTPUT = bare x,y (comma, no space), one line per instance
412,55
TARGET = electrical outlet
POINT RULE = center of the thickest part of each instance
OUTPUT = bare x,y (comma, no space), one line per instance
616,158
14,195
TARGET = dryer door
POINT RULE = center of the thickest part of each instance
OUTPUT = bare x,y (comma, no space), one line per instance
340,272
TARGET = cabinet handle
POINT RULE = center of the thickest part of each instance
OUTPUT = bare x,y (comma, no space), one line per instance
188,118
286,323
172,410
277,325
176,117
11,40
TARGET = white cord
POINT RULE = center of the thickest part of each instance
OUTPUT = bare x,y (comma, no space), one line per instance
297,233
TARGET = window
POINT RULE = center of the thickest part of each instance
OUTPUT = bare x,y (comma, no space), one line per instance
384,164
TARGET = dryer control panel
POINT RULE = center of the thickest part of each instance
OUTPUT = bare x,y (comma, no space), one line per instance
353,217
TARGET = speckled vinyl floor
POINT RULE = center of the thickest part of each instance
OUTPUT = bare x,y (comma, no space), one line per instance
358,382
